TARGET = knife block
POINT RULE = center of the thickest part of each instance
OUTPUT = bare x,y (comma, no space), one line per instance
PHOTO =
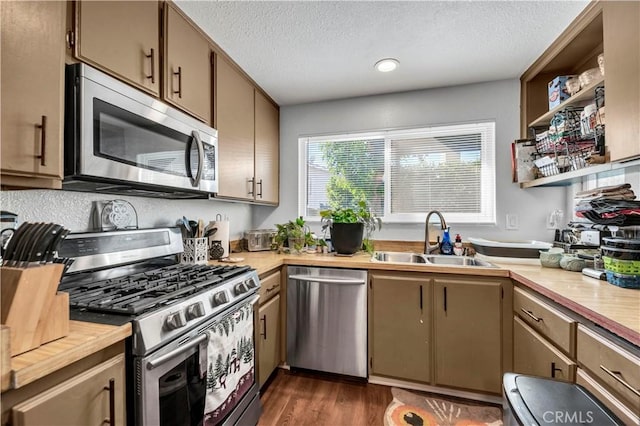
30,307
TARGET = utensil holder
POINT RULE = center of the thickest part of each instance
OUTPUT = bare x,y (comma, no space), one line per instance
195,251
30,307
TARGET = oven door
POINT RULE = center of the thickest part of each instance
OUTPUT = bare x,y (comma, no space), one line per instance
171,383
127,135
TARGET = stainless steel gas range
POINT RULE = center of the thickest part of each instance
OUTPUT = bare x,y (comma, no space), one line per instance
175,309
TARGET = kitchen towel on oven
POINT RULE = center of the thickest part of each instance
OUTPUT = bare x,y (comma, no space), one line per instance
230,363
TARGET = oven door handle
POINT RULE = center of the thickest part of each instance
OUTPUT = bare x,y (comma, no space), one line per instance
174,353
195,181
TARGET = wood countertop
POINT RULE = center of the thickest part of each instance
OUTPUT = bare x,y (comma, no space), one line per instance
83,340
613,308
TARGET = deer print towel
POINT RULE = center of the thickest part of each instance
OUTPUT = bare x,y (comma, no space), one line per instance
230,363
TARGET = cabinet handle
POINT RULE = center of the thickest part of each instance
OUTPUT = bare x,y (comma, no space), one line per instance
259,194
43,140
420,297
264,319
616,376
179,74
445,299
530,315
271,288
554,369
252,190
112,402
152,56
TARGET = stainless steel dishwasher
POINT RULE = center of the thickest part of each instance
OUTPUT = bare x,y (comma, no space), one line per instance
327,320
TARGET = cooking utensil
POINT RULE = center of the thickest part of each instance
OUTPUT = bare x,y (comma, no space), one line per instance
25,244
187,227
200,228
193,225
209,232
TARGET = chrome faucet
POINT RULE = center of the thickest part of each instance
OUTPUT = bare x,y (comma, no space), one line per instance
428,248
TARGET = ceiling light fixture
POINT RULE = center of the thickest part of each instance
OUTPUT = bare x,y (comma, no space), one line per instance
387,64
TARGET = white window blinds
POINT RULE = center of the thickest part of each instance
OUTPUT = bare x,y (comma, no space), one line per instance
403,174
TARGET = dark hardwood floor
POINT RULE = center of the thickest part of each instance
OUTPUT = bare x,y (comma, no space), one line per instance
306,398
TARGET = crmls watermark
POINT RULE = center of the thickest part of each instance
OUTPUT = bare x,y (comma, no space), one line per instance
560,417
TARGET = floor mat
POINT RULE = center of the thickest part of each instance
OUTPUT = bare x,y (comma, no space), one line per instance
408,408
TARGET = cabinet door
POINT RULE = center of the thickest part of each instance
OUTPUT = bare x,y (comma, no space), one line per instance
187,66
90,398
122,38
534,355
267,143
621,21
468,335
32,80
235,124
269,339
400,324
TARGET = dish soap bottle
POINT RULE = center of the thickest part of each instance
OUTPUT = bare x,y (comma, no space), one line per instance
445,246
457,246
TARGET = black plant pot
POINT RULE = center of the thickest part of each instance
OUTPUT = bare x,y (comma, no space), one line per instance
347,237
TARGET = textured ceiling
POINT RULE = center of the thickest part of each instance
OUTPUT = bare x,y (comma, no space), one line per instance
303,51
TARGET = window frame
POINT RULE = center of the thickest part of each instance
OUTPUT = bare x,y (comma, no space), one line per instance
488,171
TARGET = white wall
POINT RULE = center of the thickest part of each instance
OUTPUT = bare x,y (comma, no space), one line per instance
499,101
73,209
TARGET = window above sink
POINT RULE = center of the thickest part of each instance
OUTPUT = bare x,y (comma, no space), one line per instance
403,174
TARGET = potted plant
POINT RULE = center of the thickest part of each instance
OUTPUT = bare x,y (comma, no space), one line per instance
348,226
294,234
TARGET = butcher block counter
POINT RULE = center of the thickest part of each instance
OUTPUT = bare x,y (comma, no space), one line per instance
613,308
83,340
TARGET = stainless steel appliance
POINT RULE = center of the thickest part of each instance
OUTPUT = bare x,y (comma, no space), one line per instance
121,140
259,239
123,276
327,320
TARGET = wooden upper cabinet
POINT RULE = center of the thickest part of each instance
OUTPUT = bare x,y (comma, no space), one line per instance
235,124
267,153
32,82
187,66
467,334
621,21
121,38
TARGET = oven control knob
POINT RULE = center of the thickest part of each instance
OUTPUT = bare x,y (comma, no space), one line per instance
251,283
240,288
220,298
174,321
194,311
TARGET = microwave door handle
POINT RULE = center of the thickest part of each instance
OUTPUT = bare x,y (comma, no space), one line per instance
195,136
200,147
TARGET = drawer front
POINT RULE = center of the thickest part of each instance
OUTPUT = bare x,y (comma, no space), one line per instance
87,399
546,320
534,355
623,412
618,369
269,286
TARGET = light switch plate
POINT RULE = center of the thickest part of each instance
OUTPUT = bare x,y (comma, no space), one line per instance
512,221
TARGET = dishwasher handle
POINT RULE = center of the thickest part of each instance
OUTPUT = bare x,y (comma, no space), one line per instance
328,280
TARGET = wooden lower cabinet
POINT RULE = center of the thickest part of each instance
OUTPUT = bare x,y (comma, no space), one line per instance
534,355
628,416
268,338
467,339
94,397
400,326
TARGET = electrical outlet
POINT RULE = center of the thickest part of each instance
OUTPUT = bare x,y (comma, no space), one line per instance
512,221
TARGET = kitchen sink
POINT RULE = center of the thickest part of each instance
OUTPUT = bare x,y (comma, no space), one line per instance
428,259
390,256
438,259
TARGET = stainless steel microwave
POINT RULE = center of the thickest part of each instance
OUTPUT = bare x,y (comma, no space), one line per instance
121,140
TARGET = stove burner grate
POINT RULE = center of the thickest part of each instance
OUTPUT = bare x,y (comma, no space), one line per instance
145,291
